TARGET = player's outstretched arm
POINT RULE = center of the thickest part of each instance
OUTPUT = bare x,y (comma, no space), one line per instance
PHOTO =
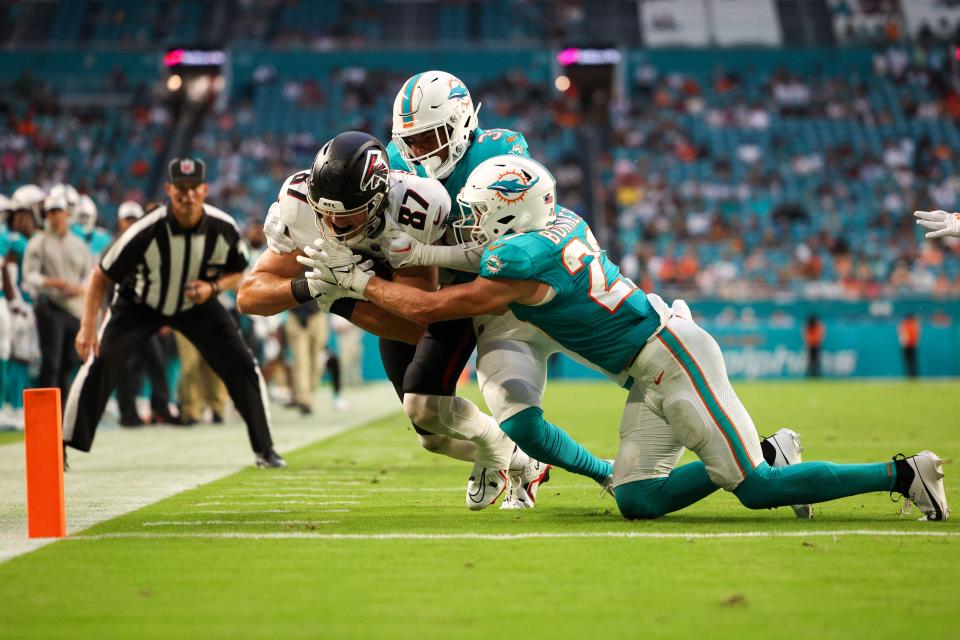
266,289
939,223
477,298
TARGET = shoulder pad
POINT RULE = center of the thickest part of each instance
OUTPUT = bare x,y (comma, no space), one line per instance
497,142
507,259
395,159
420,206
295,213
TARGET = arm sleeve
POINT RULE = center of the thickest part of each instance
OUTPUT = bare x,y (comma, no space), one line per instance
501,260
455,257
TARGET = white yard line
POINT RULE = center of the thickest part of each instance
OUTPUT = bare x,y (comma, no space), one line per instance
232,523
223,503
129,469
656,535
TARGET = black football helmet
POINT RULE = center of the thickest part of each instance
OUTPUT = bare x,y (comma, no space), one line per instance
348,187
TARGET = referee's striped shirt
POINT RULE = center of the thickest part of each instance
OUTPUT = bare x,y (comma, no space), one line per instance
155,258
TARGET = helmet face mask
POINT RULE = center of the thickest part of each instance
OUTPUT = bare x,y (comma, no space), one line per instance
348,227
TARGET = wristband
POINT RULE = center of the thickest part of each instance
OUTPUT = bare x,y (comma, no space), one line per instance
343,307
300,289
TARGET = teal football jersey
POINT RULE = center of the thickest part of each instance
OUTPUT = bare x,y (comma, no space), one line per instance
486,144
17,243
595,312
97,240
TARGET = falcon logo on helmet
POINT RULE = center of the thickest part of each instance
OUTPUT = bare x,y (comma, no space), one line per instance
375,173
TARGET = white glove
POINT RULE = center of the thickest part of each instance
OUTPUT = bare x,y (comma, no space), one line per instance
403,250
940,223
276,231
335,264
324,293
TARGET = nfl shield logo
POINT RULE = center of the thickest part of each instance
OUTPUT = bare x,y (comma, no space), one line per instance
187,167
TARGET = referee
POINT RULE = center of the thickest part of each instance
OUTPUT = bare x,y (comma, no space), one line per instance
169,267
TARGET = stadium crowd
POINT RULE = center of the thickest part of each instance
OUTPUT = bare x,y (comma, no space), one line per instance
726,185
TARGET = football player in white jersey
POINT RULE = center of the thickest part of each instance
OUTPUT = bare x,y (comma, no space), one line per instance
350,197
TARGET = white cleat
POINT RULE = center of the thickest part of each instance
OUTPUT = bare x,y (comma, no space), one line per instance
926,489
524,485
485,486
786,442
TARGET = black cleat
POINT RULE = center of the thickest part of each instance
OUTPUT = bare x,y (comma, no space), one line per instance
270,459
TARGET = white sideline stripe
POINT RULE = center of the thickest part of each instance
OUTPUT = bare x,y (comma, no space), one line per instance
654,535
200,523
226,503
213,512
257,496
130,469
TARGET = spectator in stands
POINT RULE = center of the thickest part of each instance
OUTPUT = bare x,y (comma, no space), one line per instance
55,266
813,335
909,334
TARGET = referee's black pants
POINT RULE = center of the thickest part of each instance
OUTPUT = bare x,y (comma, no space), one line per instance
208,326
148,359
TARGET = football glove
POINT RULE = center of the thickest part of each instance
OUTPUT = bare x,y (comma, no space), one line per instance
940,223
403,250
335,264
276,231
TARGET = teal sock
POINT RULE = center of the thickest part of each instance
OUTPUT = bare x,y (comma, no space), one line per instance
549,443
809,482
658,496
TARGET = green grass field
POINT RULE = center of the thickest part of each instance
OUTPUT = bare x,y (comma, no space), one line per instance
252,556
8,436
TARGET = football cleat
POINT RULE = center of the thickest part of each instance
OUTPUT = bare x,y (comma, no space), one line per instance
786,444
524,485
485,486
606,487
270,459
926,488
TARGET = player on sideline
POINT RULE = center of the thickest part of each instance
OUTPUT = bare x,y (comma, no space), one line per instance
543,262
351,198
436,133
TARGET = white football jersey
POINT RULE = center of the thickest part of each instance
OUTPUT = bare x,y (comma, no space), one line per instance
419,206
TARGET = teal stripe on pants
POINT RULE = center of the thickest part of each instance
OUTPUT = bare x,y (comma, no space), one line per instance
709,400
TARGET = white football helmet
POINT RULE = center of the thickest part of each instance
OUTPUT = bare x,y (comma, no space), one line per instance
433,112
129,209
68,193
29,197
505,194
86,213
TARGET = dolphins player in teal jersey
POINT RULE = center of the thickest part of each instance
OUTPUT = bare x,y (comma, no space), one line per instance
543,262
85,227
436,134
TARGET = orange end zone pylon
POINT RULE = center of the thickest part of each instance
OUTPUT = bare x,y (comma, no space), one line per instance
44,445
